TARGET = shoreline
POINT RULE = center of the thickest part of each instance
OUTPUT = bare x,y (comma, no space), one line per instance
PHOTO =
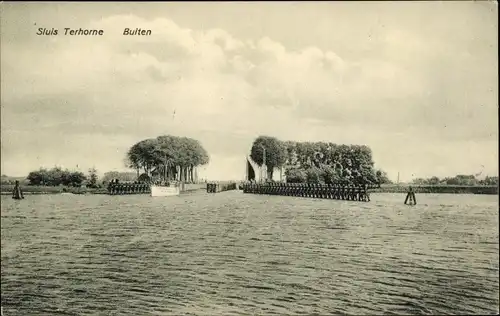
90,193
437,189
6,189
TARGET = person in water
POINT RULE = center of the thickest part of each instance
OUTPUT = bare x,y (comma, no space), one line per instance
17,193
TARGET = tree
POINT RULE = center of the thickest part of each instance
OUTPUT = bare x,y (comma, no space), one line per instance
144,178
54,177
170,156
141,155
37,177
469,180
334,163
121,176
76,178
434,181
382,177
466,179
490,180
313,175
328,174
419,181
92,178
275,150
295,175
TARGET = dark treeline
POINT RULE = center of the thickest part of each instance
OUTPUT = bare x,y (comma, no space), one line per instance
175,157
120,176
55,177
469,180
318,162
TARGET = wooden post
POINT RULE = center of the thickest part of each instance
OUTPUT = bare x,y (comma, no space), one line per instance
17,193
410,197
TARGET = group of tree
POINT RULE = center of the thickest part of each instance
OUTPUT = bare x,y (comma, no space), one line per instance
120,176
167,156
457,180
317,162
55,177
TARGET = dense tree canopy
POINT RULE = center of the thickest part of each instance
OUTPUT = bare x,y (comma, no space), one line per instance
318,162
275,150
175,157
382,177
56,176
121,176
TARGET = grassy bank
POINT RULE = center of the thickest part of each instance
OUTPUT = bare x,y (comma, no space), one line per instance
39,189
6,189
450,189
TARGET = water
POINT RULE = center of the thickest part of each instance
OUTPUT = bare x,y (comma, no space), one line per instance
233,254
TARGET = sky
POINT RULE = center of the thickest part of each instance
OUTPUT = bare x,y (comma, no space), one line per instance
415,81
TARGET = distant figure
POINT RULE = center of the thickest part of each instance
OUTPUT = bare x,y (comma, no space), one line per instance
410,197
17,193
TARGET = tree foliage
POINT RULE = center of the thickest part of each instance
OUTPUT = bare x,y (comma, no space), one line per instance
275,150
56,176
175,157
460,179
318,162
295,175
92,178
121,176
382,177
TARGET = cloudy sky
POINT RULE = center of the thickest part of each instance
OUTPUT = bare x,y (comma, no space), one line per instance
415,81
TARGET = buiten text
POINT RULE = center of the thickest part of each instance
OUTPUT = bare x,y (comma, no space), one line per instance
137,31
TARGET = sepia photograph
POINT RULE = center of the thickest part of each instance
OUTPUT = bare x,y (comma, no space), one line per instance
249,158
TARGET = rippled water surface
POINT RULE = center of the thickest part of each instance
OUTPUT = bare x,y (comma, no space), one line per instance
233,254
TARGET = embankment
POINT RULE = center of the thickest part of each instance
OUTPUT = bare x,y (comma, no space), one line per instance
448,189
6,189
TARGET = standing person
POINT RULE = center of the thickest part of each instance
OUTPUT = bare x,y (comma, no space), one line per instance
17,193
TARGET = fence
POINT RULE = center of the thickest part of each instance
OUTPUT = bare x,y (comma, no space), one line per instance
128,188
320,191
216,187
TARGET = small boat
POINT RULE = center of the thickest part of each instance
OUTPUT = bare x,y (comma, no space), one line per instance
172,189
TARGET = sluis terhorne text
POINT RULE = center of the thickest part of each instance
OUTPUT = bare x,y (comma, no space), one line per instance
90,32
